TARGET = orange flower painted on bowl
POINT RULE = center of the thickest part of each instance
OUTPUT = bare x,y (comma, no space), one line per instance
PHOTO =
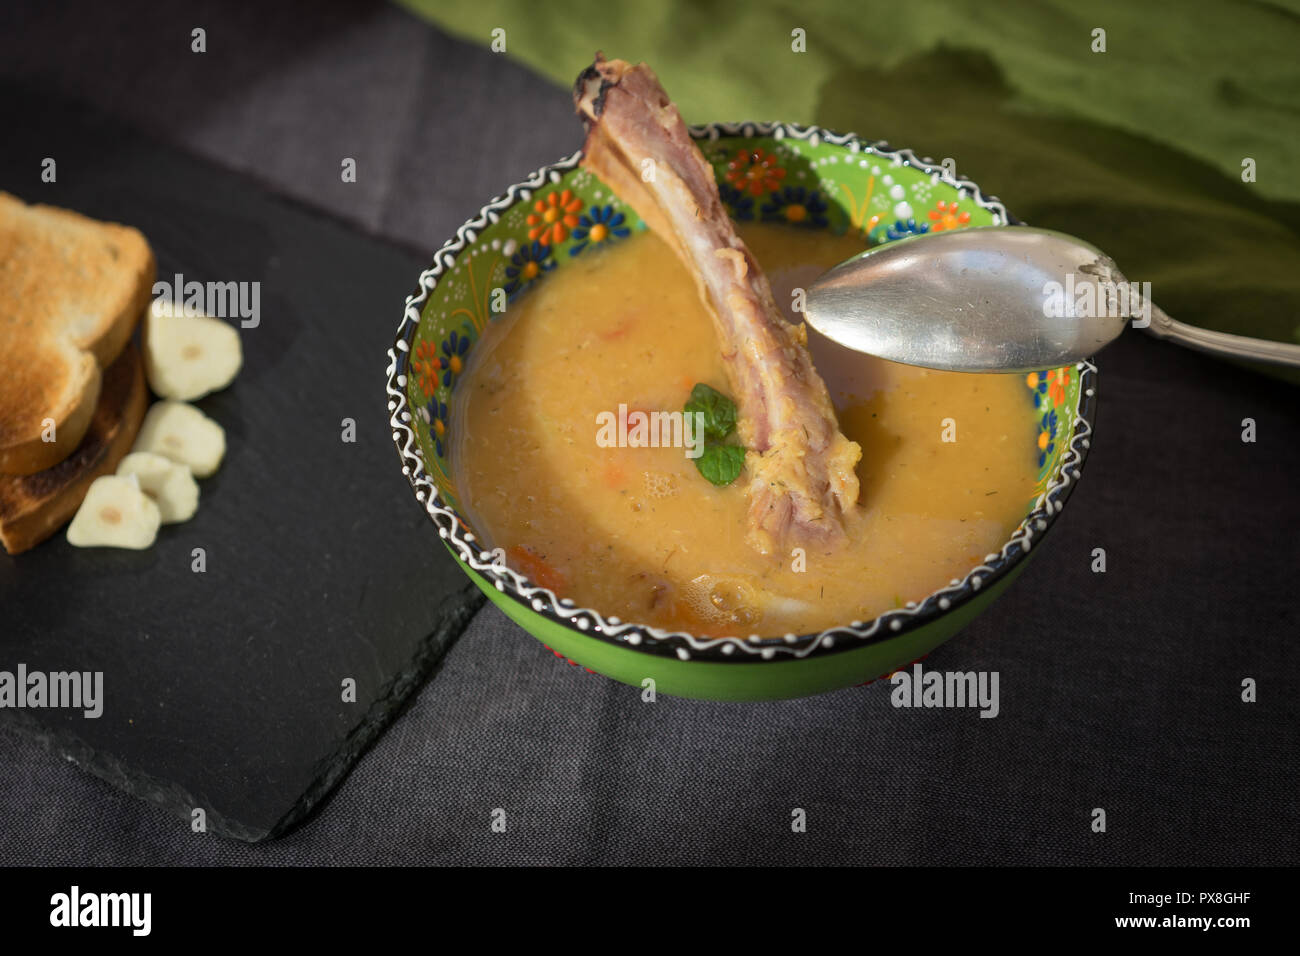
947,215
553,217
754,171
427,365
1057,380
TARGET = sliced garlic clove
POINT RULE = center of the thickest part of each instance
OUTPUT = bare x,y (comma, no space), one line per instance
115,514
184,434
169,483
187,357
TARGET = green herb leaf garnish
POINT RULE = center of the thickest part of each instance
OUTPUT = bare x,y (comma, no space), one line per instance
721,464
719,411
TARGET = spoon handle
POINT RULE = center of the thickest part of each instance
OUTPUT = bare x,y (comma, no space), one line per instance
1222,343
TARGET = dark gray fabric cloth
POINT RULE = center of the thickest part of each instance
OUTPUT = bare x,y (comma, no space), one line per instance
1119,690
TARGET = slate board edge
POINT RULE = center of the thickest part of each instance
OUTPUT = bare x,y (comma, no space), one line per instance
387,705
136,783
332,769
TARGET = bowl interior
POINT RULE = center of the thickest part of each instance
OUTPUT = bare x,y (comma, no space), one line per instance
766,172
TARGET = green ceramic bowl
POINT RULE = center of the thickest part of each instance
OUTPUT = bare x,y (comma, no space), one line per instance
829,181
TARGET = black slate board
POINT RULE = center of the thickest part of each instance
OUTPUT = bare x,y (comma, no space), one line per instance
223,689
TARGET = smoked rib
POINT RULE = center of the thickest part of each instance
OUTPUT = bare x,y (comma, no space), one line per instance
801,478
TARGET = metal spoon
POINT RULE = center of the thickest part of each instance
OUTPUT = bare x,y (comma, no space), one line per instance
999,299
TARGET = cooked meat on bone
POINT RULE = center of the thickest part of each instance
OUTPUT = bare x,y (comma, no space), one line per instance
801,468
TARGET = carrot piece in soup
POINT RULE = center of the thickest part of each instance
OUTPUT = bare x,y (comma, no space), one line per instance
534,567
614,476
617,332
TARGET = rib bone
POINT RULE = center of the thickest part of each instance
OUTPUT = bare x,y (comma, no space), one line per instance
801,468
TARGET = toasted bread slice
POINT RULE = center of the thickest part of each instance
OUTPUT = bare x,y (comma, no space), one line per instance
33,507
71,291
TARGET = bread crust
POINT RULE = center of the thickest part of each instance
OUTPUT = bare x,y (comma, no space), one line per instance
33,507
72,290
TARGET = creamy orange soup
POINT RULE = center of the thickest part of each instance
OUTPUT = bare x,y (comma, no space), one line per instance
638,533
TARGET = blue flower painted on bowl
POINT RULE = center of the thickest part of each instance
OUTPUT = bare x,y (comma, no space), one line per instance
435,414
903,228
1037,382
740,205
798,206
526,266
454,349
1046,437
599,224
